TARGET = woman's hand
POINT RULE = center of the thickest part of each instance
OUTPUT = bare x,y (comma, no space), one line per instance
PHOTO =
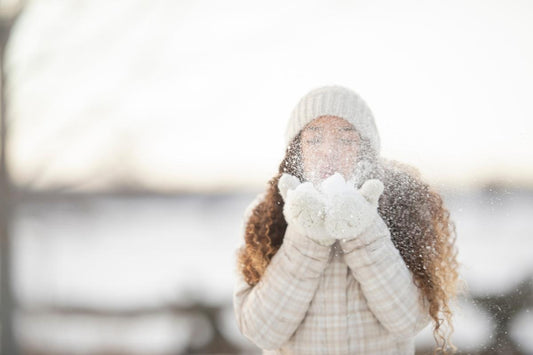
349,211
304,208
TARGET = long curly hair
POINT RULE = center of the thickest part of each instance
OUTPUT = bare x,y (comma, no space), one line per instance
414,212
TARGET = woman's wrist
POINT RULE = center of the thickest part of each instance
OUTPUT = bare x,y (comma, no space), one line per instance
306,245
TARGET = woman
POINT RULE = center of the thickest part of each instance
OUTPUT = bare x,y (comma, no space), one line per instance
345,252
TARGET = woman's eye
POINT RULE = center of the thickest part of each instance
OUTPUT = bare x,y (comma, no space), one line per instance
348,141
313,141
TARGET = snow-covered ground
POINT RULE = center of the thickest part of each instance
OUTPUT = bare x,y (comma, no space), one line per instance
128,252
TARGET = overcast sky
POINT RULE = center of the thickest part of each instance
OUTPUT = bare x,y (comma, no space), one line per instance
196,94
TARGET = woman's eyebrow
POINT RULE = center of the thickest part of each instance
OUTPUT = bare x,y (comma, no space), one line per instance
347,129
314,128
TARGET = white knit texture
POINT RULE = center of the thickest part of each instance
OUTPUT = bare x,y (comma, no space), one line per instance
304,208
350,211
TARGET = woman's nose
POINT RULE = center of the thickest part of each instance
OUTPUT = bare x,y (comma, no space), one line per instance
329,149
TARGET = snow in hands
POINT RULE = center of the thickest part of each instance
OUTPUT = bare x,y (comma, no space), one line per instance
335,209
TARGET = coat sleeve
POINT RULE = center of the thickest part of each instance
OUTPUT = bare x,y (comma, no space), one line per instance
386,281
269,313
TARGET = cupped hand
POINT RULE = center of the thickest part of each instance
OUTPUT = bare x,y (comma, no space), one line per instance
304,208
349,211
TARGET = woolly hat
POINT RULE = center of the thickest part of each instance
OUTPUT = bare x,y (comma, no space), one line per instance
337,101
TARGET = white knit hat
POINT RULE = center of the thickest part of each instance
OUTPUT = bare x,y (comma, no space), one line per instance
337,101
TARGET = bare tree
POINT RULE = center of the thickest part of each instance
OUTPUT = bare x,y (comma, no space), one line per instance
8,16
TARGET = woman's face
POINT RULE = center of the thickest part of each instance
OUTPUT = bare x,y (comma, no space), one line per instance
329,144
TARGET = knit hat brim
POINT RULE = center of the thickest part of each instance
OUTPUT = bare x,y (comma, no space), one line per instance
337,101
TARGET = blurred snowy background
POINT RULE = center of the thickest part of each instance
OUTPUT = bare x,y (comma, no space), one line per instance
136,132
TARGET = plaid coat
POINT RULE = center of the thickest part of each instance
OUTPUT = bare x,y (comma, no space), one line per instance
352,297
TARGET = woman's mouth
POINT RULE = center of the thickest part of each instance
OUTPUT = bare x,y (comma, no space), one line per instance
326,173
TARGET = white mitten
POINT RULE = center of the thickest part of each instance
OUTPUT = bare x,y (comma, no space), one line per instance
304,208
287,182
350,211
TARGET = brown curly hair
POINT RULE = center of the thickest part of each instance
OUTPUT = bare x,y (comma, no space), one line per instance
414,212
